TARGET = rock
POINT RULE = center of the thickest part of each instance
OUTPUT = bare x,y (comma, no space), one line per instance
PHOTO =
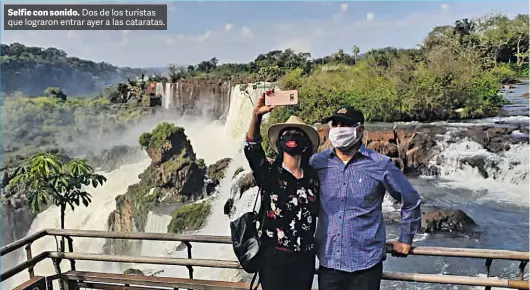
216,171
189,217
526,95
165,142
174,176
413,148
245,182
478,162
132,271
116,156
323,132
229,205
439,220
435,219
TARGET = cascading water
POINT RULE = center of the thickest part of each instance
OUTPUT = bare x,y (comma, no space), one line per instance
497,176
93,217
169,95
217,224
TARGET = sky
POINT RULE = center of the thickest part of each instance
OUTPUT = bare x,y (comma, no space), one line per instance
239,31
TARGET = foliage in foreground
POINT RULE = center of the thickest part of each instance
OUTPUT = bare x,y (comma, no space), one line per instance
47,180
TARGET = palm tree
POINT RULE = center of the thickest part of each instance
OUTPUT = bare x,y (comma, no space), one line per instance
355,51
46,178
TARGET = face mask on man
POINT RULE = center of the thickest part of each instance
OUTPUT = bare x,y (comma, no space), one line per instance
344,138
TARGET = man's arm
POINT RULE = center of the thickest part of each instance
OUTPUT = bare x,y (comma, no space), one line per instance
400,188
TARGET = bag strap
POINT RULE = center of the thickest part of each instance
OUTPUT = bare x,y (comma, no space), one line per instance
264,212
254,280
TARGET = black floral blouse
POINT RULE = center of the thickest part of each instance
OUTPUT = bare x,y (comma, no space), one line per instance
291,204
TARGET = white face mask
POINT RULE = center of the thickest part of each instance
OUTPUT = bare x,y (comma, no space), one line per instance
344,137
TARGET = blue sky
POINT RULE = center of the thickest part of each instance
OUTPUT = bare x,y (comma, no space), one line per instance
239,31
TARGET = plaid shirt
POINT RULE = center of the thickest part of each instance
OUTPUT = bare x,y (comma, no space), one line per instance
351,232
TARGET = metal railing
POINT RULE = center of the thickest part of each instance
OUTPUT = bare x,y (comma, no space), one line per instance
57,257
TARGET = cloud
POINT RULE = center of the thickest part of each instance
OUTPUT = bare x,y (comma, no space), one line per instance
444,6
246,32
318,36
341,14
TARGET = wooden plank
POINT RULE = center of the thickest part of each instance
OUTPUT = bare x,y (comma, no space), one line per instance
154,281
141,236
22,242
35,283
418,251
23,266
210,284
456,280
148,260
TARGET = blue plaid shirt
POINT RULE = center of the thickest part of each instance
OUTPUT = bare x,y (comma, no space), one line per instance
351,232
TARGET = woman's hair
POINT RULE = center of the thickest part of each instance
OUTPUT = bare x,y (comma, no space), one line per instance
306,155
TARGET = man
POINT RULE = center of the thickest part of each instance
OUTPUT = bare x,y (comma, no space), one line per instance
351,235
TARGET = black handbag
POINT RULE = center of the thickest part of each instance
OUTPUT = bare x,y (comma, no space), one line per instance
246,239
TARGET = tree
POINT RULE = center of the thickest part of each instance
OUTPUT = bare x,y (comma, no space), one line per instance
355,51
47,179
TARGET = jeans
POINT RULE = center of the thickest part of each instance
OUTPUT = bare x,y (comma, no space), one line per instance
287,270
369,279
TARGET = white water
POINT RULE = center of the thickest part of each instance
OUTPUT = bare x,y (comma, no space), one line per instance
217,224
210,142
507,171
167,100
93,217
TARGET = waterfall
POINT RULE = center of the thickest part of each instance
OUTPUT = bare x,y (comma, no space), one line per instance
238,119
497,177
93,217
169,96
240,109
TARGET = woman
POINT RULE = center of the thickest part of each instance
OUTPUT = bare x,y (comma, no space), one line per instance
290,191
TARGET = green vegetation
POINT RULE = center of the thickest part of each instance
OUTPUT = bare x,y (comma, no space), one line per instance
30,70
140,197
132,271
189,217
238,170
31,125
47,179
159,135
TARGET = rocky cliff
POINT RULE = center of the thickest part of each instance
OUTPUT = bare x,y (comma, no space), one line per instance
175,175
413,148
194,96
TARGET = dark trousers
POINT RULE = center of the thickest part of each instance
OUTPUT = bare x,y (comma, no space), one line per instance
369,279
287,270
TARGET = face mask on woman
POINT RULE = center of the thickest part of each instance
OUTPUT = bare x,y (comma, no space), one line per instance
344,138
293,143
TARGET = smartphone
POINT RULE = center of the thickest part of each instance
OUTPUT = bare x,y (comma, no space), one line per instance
282,98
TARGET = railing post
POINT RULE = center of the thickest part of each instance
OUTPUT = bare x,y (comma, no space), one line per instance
29,256
57,266
521,268
71,249
489,261
190,268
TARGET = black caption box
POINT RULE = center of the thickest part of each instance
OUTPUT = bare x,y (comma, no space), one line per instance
85,17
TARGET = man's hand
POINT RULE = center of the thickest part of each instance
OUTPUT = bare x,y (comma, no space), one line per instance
400,249
260,108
